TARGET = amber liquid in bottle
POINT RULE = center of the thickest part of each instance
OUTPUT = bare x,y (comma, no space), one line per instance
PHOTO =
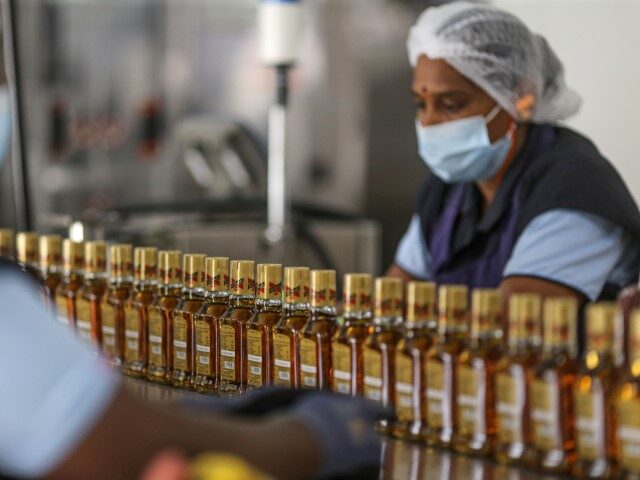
51,267
440,364
380,347
233,328
7,243
136,314
552,415
419,332
193,297
91,295
112,311
347,345
27,248
514,379
627,403
72,278
206,325
288,331
261,325
598,374
315,345
476,376
161,314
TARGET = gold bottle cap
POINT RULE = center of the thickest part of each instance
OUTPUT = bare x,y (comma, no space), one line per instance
6,242
72,255
487,311
243,280
193,268
169,267
357,292
296,284
560,322
269,284
601,318
421,302
323,288
121,261
217,269
145,264
50,251
453,306
524,318
95,257
634,341
27,248
388,301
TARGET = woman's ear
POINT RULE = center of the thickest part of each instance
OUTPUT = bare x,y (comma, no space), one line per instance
524,107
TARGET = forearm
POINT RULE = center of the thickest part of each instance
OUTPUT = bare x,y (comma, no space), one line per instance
131,432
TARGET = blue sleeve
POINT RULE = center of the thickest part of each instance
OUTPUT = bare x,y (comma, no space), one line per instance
576,249
54,388
412,254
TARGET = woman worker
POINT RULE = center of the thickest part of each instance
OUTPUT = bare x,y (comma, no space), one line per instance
512,200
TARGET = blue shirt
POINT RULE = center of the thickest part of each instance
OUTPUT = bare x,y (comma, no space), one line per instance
54,388
572,248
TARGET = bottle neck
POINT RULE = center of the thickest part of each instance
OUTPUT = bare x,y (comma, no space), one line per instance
143,286
95,277
559,349
193,293
430,325
387,322
357,316
271,305
486,339
171,290
526,345
329,311
221,296
242,301
123,282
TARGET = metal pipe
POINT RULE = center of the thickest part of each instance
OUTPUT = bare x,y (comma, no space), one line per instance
19,164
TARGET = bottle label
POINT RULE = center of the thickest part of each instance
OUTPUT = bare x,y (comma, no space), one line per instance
254,358
156,337
227,353
404,388
62,310
308,363
180,344
510,400
471,392
629,434
545,408
281,360
83,319
109,341
438,393
341,358
132,350
372,375
590,422
203,347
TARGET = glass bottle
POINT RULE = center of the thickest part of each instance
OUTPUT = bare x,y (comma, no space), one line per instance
136,312
27,254
627,403
206,325
72,279
50,253
440,362
261,325
598,374
193,297
514,378
380,347
90,296
233,328
288,331
347,345
112,310
6,243
476,375
420,330
161,314
628,301
552,416
315,345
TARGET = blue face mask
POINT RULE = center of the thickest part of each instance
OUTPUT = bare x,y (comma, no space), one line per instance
5,123
460,151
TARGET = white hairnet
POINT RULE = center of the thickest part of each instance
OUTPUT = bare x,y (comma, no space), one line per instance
497,52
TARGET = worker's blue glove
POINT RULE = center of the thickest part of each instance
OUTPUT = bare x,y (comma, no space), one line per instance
344,428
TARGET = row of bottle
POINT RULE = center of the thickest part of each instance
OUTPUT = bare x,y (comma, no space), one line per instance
454,379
